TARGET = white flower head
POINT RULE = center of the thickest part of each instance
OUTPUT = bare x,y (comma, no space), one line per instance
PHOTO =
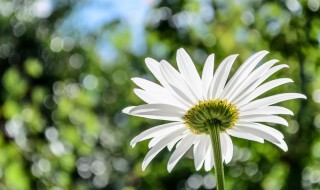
193,104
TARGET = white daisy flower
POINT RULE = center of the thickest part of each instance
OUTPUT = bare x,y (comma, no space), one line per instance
196,105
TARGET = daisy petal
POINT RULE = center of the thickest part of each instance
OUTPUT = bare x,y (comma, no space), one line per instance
147,85
154,67
254,85
174,142
209,158
229,147
264,88
268,73
154,141
262,69
244,135
195,146
158,98
258,132
159,93
170,146
199,151
159,115
156,131
158,147
244,70
223,146
265,134
221,76
283,145
264,118
185,145
128,109
189,72
176,82
247,82
269,110
262,127
158,111
207,75
271,100
145,96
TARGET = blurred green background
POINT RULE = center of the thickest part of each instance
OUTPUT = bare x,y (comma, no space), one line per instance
65,68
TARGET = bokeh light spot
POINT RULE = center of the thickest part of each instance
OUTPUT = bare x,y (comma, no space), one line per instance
56,44
90,82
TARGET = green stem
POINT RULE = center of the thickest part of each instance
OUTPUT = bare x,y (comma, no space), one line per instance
215,139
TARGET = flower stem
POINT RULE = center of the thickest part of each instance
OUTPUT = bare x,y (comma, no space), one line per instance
215,140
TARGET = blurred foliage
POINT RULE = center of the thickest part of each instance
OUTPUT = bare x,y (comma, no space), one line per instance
60,116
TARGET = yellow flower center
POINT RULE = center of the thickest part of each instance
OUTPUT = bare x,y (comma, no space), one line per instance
211,113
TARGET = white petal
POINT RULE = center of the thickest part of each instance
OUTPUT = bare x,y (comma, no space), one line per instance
158,147
244,70
264,118
196,144
283,145
177,83
260,133
224,147
209,158
262,69
159,115
158,111
159,93
154,67
157,131
158,98
128,109
264,88
207,75
154,141
189,72
269,110
147,85
221,76
254,85
185,145
229,147
175,141
145,96
244,135
248,81
184,134
262,127
158,138
199,151
271,100
268,135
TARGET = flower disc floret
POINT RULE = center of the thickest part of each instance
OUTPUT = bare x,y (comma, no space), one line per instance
211,113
